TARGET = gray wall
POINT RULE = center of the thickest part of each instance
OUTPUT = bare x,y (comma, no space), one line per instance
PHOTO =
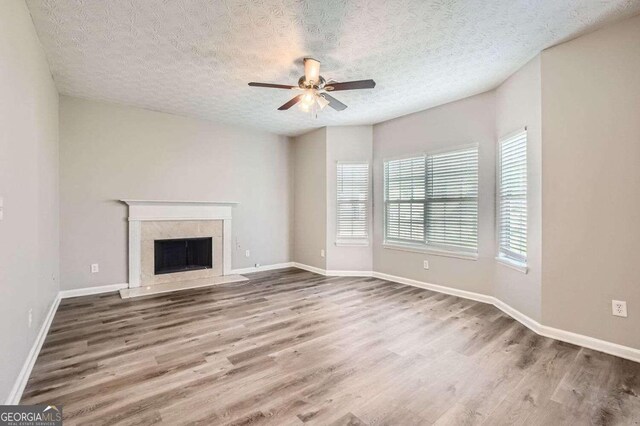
518,104
347,143
470,120
29,185
109,152
310,189
591,183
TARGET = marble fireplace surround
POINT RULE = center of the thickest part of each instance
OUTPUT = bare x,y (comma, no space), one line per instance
146,217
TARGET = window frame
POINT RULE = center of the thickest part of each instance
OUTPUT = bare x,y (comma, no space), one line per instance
424,246
515,260
353,241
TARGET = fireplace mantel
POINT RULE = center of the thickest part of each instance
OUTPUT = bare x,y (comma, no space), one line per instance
174,210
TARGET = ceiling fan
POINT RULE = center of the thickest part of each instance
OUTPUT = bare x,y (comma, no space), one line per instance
315,89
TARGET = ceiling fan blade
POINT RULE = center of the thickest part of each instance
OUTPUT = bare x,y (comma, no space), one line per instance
291,103
272,86
351,85
311,70
334,103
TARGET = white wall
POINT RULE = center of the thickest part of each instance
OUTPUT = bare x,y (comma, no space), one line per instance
29,185
518,105
591,183
310,195
346,143
109,152
470,120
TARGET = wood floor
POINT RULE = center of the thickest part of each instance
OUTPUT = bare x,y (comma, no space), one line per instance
290,347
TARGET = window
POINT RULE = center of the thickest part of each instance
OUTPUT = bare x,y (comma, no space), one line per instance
404,188
512,198
452,199
432,200
353,195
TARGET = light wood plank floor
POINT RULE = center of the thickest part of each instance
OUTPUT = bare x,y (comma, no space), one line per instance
290,347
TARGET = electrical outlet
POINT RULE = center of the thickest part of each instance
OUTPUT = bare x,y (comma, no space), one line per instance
30,317
95,268
619,308
426,264
257,265
247,253
322,253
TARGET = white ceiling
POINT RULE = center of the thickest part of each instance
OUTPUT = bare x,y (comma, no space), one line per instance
195,57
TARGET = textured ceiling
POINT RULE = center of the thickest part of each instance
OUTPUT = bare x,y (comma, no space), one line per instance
195,57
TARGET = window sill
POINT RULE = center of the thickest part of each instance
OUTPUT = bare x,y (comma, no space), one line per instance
430,250
513,264
352,243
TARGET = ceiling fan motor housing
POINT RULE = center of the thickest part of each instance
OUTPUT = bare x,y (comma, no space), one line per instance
303,84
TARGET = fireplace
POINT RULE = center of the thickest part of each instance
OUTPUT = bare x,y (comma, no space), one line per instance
182,254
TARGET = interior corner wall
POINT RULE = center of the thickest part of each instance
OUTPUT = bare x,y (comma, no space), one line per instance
467,121
310,199
590,183
346,143
110,152
29,232
518,105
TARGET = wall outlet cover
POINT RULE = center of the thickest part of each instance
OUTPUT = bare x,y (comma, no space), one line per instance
322,253
247,253
95,268
619,308
426,264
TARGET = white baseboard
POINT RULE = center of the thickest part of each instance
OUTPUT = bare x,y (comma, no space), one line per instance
591,343
64,294
349,273
435,287
262,268
309,268
18,387
543,330
332,273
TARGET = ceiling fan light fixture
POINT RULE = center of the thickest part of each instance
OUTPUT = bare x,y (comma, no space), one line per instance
322,102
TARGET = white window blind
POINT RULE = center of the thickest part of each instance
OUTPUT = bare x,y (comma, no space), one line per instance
404,199
452,199
432,200
353,195
512,198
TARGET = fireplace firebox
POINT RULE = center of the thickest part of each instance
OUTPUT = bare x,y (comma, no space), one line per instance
185,254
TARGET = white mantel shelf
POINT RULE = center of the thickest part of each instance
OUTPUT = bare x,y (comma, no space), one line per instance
178,202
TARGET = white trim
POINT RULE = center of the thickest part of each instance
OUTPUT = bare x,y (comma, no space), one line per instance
332,273
523,319
435,287
87,291
512,264
178,202
348,273
422,248
21,381
353,242
309,268
253,269
610,348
